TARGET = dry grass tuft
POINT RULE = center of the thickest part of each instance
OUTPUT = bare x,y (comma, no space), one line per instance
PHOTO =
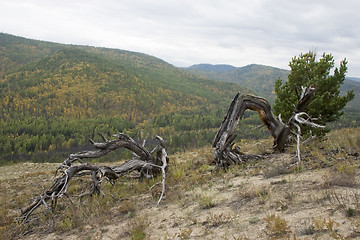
206,201
277,227
137,228
216,220
276,170
343,175
250,192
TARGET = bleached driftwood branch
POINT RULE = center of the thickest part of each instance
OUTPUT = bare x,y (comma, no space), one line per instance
145,162
224,154
299,119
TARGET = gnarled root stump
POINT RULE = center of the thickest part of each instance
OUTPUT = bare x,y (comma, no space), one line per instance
147,163
225,154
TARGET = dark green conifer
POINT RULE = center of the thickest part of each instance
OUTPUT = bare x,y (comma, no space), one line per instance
306,70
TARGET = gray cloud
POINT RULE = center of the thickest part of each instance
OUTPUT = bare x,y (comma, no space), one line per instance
190,32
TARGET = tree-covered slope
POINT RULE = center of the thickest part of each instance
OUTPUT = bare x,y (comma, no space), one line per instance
77,83
17,51
55,96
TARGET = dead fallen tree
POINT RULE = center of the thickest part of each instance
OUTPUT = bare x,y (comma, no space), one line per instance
147,163
225,154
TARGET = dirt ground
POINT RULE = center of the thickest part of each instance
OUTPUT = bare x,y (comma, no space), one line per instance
263,200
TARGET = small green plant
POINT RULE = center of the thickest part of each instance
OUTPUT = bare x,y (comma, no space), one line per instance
350,212
253,220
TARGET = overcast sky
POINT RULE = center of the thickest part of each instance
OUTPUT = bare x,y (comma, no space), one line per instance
187,32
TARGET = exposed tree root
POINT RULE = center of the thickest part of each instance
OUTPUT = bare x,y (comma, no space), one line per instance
147,163
225,154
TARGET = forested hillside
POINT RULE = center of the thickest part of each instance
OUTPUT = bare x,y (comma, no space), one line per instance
17,51
54,97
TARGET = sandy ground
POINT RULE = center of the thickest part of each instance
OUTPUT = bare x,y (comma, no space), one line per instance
256,202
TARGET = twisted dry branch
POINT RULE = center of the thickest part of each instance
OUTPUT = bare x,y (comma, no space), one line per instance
146,163
225,154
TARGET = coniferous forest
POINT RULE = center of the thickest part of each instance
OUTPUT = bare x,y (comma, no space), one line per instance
54,97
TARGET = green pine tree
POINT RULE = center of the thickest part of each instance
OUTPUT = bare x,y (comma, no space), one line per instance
306,70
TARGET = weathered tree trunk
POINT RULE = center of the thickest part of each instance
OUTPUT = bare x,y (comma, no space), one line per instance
225,154
147,163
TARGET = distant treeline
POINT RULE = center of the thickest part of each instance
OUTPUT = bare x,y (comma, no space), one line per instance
43,140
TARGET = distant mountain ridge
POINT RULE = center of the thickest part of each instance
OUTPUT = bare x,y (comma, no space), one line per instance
260,79
211,68
354,79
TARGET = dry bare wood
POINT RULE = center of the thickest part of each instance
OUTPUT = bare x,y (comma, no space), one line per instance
147,163
225,154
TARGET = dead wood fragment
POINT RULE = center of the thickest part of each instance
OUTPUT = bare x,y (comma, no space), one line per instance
148,164
225,154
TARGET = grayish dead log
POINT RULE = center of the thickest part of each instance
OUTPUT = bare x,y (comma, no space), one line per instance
225,154
147,163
